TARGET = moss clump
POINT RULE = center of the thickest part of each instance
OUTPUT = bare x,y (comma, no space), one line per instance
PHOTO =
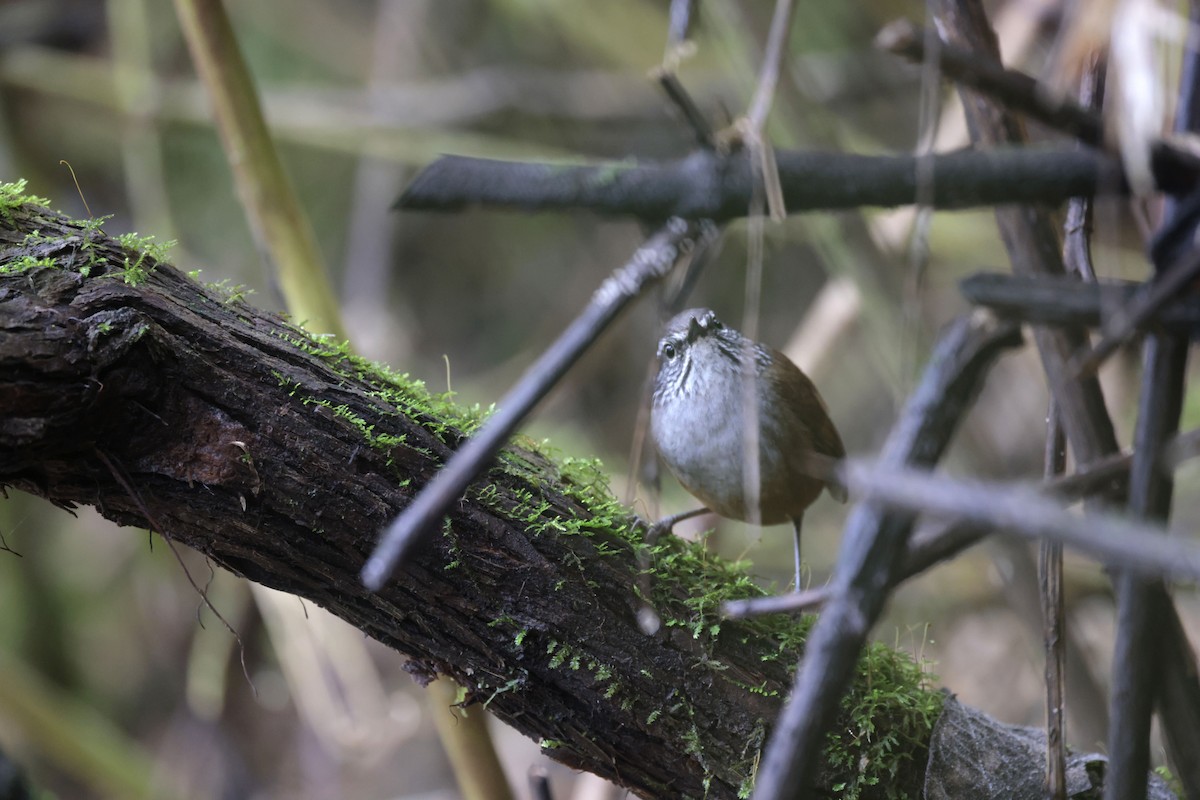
889,712
142,254
83,251
12,197
395,392
25,264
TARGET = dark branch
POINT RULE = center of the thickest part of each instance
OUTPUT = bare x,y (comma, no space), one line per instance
706,185
1121,321
1174,168
1065,301
1144,618
1013,89
1026,513
1143,606
930,546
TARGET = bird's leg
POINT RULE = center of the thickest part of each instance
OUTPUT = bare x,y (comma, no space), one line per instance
665,524
796,520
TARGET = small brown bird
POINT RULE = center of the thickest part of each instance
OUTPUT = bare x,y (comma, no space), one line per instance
705,425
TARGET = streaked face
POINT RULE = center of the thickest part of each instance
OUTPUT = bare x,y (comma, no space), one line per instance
676,348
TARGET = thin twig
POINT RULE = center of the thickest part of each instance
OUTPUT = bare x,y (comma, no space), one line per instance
790,603
680,20
1057,639
1125,320
1077,230
752,128
681,16
1050,580
1012,88
669,82
772,66
121,478
1019,92
1026,513
652,261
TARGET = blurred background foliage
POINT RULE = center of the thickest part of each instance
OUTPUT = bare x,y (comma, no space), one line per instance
115,682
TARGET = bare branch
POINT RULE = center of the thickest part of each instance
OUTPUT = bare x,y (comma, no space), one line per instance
706,185
1174,167
1062,300
1027,513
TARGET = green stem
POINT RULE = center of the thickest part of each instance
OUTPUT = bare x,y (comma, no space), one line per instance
279,225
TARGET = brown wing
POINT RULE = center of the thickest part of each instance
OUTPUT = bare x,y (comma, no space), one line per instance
801,394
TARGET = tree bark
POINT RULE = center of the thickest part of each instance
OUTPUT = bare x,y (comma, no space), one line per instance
165,404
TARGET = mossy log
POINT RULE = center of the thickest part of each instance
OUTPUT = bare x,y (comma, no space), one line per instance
128,386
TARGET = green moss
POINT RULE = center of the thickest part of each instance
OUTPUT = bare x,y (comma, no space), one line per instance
508,686
141,253
1173,782
13,196
232,292
559,654
141,257
395,393
887,714
890,711
24,264
452,545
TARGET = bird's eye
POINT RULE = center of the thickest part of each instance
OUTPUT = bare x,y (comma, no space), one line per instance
669,351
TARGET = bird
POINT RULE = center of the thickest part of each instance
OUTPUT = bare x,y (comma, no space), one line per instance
719,396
